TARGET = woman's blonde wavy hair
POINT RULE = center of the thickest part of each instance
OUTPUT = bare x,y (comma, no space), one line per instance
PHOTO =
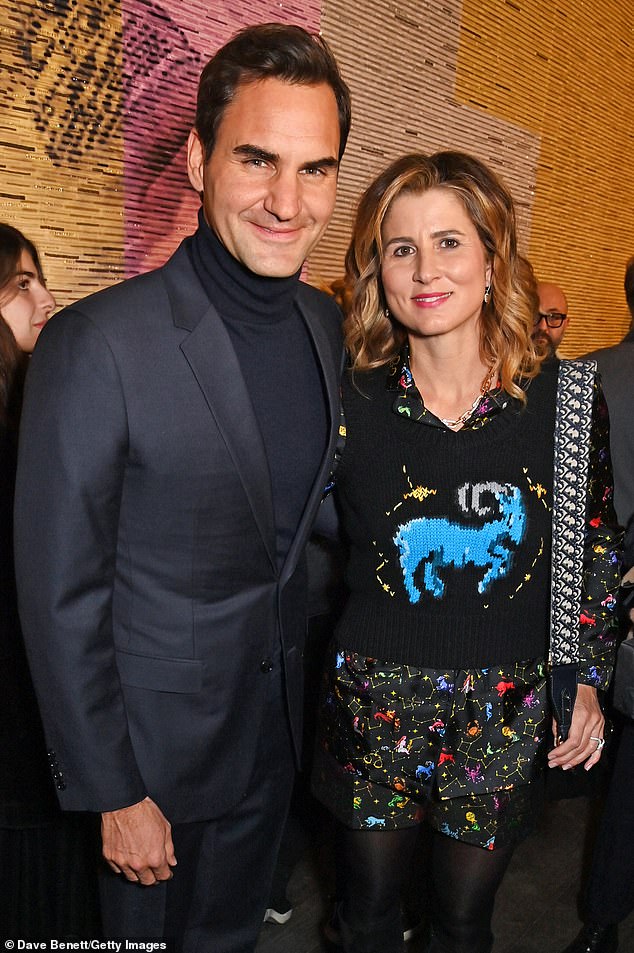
373,336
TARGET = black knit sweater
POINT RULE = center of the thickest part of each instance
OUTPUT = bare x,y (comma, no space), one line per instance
449,531
280,368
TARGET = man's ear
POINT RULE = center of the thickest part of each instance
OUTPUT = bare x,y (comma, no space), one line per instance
195,161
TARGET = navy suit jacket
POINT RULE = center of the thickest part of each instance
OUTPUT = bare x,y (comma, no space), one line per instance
149,592
616,367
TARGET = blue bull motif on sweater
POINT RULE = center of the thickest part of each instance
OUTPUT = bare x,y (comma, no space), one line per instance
437,543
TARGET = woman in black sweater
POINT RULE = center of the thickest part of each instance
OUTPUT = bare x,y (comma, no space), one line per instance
436,705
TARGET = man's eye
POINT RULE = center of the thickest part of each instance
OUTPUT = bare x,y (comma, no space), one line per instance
314,170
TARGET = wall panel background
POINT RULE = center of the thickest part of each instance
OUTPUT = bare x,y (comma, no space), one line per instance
98,100
543,91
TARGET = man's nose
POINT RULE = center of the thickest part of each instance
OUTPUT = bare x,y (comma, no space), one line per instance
283,200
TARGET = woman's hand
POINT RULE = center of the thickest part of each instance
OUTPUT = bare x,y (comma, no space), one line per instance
587,726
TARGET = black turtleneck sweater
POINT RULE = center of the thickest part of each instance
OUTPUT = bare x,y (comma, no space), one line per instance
277,358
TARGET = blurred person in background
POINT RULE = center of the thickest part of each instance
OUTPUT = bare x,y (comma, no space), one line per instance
45,877
616,367
609,893
552,318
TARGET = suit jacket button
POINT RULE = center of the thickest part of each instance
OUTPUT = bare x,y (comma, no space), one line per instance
266,665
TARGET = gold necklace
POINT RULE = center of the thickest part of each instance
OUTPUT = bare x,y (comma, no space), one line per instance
485,386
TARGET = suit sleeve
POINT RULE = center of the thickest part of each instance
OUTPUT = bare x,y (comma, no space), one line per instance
71,466
602,548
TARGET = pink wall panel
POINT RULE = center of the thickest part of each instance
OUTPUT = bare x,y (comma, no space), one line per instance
165,45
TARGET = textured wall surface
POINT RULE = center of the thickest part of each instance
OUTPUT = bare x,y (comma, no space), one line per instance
542,91
61,159
98,100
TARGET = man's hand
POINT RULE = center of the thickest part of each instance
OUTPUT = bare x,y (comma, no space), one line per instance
137,842
587,726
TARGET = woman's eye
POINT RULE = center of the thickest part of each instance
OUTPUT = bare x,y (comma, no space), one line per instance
449,243
23,284
402,251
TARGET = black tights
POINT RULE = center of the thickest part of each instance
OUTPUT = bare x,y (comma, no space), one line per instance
464,882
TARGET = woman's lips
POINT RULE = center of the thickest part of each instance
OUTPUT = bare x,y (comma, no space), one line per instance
431,300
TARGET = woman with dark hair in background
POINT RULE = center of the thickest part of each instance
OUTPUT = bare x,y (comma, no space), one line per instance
26,304
47,889
436,701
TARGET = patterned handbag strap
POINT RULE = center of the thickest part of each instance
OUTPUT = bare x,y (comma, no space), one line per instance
575,390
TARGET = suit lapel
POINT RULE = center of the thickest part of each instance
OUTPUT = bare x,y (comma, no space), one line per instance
329,350
213,361
212,358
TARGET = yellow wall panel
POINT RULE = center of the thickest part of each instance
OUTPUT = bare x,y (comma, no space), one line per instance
504,59
566,71
61,154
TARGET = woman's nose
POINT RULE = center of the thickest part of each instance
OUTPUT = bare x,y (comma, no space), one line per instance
425,269
47,302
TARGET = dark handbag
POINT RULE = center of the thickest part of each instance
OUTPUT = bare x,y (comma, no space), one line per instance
626,596
563,692
623,697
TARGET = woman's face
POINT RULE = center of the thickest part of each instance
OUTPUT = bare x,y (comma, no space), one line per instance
26,304
435,268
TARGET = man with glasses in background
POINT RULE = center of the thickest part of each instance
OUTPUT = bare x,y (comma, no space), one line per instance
553,315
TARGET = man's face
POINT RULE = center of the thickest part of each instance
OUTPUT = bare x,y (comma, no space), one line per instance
552,305
269,185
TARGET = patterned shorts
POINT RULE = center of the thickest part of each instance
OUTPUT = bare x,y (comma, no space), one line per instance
462,749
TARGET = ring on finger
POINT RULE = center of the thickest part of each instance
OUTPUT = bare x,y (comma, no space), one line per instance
600,742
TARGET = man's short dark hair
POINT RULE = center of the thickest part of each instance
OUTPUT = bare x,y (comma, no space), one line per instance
628,284
267,51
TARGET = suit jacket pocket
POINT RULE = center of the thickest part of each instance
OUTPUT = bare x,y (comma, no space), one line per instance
160,674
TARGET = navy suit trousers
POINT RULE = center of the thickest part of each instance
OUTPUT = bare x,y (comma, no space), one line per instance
216,900
610,891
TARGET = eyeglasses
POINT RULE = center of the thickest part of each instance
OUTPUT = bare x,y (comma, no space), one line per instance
554,319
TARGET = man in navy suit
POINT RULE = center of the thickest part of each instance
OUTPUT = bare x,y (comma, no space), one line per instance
178,431
616,366
609,892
